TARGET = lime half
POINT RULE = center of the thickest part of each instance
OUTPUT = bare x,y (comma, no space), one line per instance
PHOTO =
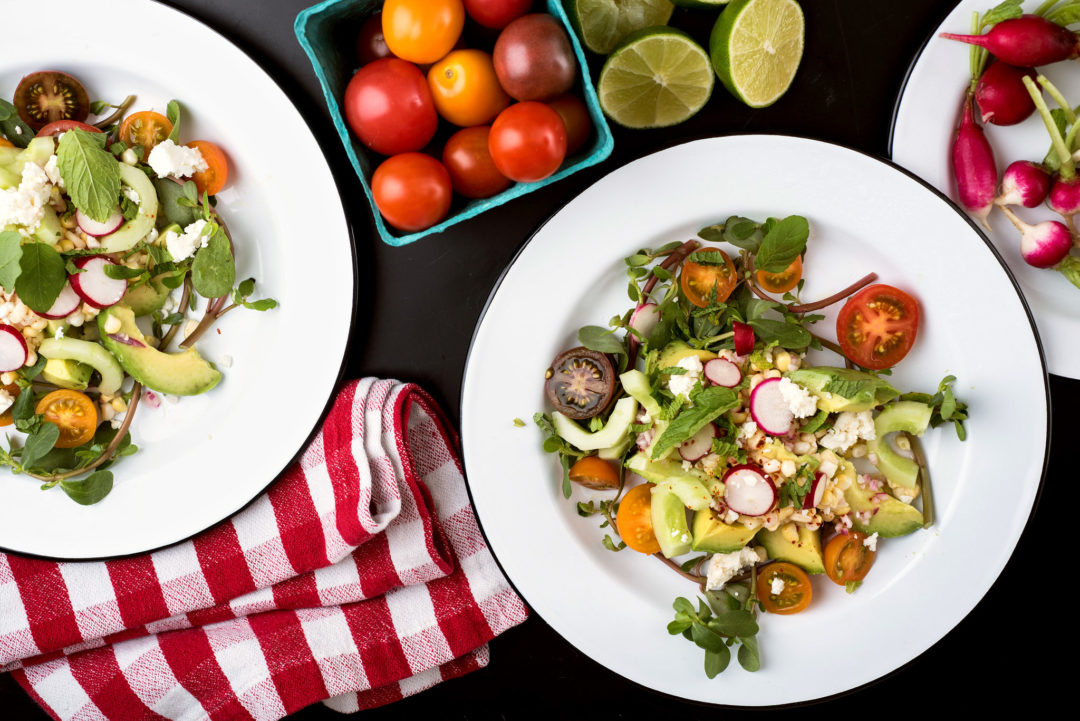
756,46
657,77
700,4
604,23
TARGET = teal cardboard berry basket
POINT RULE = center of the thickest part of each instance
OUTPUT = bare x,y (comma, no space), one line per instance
327,32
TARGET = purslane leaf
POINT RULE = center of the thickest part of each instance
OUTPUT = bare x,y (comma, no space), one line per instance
213,272
42,276
10,253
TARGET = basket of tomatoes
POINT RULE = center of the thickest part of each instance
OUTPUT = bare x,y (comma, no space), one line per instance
449,107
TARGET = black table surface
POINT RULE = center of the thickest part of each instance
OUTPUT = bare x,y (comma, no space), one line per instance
1009,649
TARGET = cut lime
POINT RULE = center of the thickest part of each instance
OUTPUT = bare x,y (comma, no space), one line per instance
756,46
699,4
602,24
657,77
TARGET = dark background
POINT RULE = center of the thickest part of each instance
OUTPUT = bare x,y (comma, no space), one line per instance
420,303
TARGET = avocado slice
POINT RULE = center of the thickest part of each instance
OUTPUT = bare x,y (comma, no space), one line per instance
804,553
907,416
889,517
844,389
84,351
182,374
148,297
692,487
67,373
676,350
669,522
714,536
617,426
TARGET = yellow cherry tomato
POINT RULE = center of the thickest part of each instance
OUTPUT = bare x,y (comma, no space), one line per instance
422,31
465,89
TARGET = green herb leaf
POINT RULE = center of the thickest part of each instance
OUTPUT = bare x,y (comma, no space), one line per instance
749,656
717,661
708,405
785,242
39,443
91,489
172,112
601,340
213,272
10,253
734,623
91,173
1005,11
788,334
42,276
123,272
11,125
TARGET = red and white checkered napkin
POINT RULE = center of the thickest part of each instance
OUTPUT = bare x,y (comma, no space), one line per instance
360,577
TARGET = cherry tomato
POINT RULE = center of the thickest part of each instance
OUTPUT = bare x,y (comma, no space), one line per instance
575,117
370,41
496,13
796,593
528,142
145,128
472,171
847,559
388,106
783,281
465,89
596,473
213,179
62,126
877,326
11,389
5,143
422,31
412,191
698,278
634,520
73,412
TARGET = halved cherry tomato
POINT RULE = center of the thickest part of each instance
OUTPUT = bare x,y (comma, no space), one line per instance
12,390
793,597
634,520
213,179
783,281
5,143
74,413
422,31
145,128
62,126
596,473
877,326
465,89
847,559
698,278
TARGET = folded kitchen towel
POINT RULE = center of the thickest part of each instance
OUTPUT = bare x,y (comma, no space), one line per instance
358,578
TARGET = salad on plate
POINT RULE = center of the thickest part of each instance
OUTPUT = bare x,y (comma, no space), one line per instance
701,428
111,249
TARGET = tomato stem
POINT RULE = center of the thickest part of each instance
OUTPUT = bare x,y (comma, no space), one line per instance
675,567
183,307
835,297
117,114
828,344
676,257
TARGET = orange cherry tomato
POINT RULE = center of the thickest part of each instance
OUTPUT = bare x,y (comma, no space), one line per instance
73,412
465,89
847,559
5,143
472,169
783,281
877,326
213,179
422,31
145,128
634,520
699,276
12,390
596,473
793,597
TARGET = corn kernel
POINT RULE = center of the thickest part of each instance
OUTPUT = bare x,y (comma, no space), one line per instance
790,532
118,405
66,245
903,442
782,361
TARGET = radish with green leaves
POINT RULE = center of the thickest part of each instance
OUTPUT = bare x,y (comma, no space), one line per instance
1026,41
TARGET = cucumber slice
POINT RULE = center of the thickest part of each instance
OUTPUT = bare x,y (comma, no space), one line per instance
669,522
135,229
690,486
617,426
92,354
909,417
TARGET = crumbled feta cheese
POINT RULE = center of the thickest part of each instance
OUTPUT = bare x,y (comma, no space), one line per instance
871,541
787,468
747,430
25,205
53,172
799,400
6,400
132,195
184,246
685,538
724,566
848,428
687,465
905,498
777,586
644,418
167,158
682,384
129,157
226,361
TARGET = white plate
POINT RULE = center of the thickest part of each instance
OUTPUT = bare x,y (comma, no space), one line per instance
205,457
865,215
921,138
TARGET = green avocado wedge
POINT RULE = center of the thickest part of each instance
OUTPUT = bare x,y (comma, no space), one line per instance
844,389
888,516
712,535
804,552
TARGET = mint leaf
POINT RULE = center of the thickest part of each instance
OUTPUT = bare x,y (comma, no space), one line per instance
42,276
90,172
10,253
213,272
708,405
784,242
789,335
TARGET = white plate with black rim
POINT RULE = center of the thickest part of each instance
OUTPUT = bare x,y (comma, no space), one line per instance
865,215
922,133
204,457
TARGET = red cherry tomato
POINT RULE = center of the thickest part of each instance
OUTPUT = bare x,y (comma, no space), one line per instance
877,326
388,106
412,191
472,171
370,41
62,126
575,117
528,142
496,13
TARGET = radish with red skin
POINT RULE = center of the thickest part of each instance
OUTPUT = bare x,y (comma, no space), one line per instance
1027,41
98,229
770,409
1044,244
94,286
1064,197
13,350
722,372
817,492
973,164
748,491
1001,95
66,303
698,445
644,319
744,338
1024,183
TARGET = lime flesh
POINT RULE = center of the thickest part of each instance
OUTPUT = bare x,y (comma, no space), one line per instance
604,23
756,47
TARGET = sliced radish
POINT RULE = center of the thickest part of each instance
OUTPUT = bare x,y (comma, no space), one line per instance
645,318
12,349
722,372
699,444
744,338
92,227
748,491
769,408
96,288
817,492
65,304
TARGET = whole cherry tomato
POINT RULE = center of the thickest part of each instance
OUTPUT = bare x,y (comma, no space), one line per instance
422,31
472,171
528,142
496,13
534,59
388,106
575,117
370,41
465,89
412,191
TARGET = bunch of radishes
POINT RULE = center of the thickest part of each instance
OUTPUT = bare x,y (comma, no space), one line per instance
1008,91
